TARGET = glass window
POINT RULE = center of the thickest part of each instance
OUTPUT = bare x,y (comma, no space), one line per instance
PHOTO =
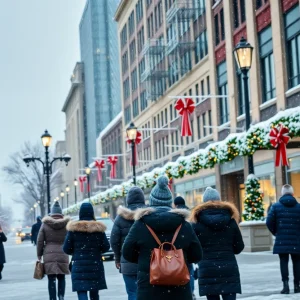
127,114
197,92
209,121
204,123
135,105
292,33
144,102
134,81
201,47
222,89
217,35
171,112
208,85
267,64
198,127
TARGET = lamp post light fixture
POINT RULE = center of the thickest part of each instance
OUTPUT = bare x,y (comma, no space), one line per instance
47,164
243,56
67,191
75,189
131,134
88,173
62,194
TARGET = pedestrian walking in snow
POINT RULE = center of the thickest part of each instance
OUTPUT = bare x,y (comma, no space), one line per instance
35,230
179,202
215,223
139,243
3,239
135,199
284,223
49,247
86,241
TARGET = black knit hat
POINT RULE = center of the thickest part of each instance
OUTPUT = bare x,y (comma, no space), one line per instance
179,201
135,196
86,212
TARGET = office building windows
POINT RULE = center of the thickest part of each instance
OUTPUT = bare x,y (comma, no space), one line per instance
144,102
239,12
207,85
222,90
141,39
139,11
171,112
204,123
210,122
132,50
127,114
124,36
126,89
131,23
201,46
124,62
135,106
134,80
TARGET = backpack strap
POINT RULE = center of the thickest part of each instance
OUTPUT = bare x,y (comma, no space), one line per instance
154,235
176,234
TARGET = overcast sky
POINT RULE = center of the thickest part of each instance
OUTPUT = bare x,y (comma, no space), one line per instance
38,51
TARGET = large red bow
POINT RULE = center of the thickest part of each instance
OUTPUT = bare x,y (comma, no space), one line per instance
112,160
82,180
99,164
138,140
279,138
185,107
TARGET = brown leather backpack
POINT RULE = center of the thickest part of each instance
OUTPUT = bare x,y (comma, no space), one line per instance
168,267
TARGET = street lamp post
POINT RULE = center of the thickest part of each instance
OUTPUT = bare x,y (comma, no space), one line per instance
67,191
47,164
131,134
62,194
88,173
75,189
243,55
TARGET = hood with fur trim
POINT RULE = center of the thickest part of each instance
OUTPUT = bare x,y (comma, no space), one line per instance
126,213
56,223
86,226
214,207
141,212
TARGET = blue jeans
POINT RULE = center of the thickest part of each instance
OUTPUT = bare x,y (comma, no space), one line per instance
192,280
224,297
131,286
94,295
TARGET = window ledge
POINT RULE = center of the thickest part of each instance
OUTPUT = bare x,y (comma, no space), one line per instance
268,103
241,117
293,90
221,127
216,4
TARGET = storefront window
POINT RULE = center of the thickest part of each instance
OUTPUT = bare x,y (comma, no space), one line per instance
294,175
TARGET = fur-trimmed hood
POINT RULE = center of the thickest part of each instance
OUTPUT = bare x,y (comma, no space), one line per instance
126,213
211,205
56,223
86,226
141,212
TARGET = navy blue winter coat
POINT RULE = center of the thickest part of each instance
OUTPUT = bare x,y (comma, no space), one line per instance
2,252
86,241
284,222
215,223
139,244
35,230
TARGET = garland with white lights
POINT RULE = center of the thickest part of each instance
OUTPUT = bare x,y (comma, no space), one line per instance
238,144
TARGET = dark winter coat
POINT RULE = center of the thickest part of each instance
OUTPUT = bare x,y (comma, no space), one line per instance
139,244
3,239
215,224
35,230
122,225
49,245
284,222
86,241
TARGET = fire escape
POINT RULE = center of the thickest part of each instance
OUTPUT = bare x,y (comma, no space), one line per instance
155,73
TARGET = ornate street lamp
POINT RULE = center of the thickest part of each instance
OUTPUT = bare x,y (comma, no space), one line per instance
47,165
131,134
88,173
67,191
243,56
75,188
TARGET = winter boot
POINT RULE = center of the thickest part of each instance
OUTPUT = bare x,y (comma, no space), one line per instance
61,297
286,288
297,287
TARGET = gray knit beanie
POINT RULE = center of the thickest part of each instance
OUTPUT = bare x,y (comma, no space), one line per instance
161,194
135,196
56,209
211,194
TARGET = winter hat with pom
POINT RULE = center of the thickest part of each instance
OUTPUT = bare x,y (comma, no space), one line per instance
211,194
161,194
56,209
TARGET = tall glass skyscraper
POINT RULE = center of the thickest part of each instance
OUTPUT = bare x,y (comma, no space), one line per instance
99,53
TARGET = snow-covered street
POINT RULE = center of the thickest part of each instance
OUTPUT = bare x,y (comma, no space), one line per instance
260,277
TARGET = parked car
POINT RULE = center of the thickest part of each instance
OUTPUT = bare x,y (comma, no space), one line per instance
25,234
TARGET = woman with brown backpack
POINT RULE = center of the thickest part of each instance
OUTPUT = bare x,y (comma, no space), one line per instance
162,243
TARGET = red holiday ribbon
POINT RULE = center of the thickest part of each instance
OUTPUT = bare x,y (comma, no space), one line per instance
138,140
99,164
279,138
170,184
185,107
112,160
82,180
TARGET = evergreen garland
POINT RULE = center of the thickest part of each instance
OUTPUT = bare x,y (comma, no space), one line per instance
253,205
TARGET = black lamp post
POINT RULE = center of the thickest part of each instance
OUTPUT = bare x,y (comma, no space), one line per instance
47,165
75,188
62,195
243,55
88,173
131,134
67,191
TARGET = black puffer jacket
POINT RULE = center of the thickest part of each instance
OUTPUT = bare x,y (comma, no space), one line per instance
139,244
2,252
284,222
215,224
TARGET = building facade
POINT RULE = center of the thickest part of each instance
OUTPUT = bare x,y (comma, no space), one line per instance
73,108
98,45
185,48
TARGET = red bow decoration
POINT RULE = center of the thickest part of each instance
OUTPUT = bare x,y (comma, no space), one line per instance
82,180
279,138
138,140
99,164
112,160
185,107
170,184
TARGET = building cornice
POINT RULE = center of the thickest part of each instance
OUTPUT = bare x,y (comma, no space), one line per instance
71,91
120,9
